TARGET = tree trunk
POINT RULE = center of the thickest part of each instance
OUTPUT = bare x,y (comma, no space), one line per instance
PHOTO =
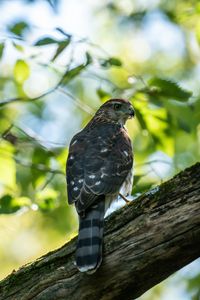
145,242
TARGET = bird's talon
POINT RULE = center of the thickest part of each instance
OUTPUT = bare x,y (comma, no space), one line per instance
124,198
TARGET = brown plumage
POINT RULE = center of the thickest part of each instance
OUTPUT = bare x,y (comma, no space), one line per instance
99,165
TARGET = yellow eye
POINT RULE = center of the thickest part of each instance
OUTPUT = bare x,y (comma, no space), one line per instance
117,106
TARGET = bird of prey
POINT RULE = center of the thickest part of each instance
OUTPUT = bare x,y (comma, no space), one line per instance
99,167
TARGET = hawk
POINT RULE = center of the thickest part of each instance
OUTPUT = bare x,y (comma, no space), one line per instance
99,167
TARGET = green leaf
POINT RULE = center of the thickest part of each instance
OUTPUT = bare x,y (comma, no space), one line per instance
193,284
47,199
47,204
69,75
1,49
168,89
184,126
18,47
61,47
19,28
115,62
197,31
112,61
9,205
140,118
88,58
136,179
46,41
7,162
21,71
102,94
40,157
6,206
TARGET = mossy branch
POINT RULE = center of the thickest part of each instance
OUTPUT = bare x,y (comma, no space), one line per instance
145,242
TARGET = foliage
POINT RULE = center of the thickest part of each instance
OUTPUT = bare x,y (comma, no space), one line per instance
56,81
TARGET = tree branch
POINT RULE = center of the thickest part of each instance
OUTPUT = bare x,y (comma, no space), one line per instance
145,242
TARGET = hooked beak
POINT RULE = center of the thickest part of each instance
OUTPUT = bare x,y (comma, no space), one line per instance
131,112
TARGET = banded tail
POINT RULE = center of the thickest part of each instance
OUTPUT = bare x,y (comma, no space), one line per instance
90,239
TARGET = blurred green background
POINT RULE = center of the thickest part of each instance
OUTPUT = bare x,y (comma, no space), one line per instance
60,60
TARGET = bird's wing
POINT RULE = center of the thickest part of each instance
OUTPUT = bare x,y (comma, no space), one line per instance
75,166
98,163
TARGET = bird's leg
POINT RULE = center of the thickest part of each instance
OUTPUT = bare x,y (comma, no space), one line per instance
124,198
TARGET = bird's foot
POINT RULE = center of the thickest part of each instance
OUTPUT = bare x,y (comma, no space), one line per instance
124,198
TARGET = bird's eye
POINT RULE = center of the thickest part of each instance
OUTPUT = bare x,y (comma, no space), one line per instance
117,106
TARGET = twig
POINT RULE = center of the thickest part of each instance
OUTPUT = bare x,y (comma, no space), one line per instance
79,103
39,167
47,181
11,100
153,161
35,138
27,164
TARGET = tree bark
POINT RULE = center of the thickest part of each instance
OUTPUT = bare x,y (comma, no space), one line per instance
144,242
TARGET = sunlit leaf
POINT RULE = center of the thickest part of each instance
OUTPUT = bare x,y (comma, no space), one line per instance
183,116
9,205
102,94
22,201
24,179
7,165
19,28
21,71
47,204
61,159
61,47
141,119
2,45
69,75
18,47
46,41
115,62
198,31
168,89
46,199
156,139
112,61
137,179
88,58
40,157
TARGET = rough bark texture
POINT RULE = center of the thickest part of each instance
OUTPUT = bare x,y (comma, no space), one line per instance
145,242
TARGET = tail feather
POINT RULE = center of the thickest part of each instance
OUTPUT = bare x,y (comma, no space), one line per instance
90,239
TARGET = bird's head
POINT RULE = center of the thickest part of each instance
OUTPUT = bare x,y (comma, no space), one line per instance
116,111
